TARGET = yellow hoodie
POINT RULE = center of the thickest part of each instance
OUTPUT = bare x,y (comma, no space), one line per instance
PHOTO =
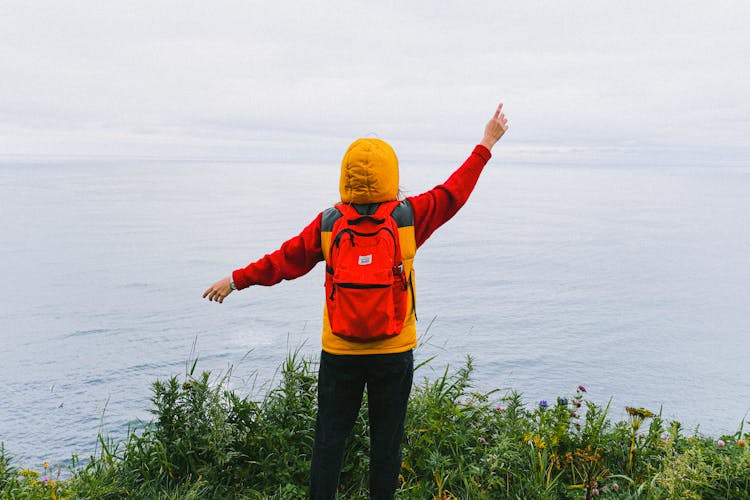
369,174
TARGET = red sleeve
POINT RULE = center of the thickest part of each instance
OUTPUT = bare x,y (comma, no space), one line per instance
436,207
296,257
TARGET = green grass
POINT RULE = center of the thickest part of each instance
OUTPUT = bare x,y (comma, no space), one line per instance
206,441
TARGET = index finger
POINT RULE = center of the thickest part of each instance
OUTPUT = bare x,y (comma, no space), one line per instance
499,110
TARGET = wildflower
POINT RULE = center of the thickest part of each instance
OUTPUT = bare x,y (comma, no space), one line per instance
563,401
543,403
482,440
582,388
615,486
641,413
595,491
46,465
499,408
741,443
577,404
538,442
664,437
59,489
720,442
574,415
578,426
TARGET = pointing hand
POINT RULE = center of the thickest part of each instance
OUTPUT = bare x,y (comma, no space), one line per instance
495,128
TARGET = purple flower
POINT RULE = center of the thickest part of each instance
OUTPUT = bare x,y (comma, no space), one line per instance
594,491
574,415
581,388
563,401
499,408
577,404
720,442
482,440
543,403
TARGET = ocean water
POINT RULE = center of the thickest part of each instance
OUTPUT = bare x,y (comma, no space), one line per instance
633,281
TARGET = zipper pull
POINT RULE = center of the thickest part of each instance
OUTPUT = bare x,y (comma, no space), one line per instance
399,271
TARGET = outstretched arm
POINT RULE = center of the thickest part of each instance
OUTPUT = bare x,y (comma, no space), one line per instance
296,257
435,207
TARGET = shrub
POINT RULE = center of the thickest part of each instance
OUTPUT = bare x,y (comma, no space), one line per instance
205,441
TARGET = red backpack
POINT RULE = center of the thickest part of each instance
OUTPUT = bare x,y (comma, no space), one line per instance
366,288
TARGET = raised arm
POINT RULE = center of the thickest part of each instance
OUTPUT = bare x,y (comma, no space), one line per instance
436,207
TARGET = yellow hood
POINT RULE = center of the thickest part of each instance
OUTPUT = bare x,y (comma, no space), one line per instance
369,172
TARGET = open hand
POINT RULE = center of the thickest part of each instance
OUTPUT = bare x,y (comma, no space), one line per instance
495,128
218,291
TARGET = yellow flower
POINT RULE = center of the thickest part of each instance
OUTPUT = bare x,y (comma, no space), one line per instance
539,442
28,473
638,412
46,465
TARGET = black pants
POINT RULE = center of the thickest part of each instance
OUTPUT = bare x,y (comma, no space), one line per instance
341,383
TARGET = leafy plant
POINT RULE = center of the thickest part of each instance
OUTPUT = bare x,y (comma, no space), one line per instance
207,442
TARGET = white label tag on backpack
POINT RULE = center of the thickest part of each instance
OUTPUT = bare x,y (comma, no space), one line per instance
365,260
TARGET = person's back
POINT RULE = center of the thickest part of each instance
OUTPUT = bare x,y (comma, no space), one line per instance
359,352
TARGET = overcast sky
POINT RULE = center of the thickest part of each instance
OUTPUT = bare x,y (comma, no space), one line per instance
292,80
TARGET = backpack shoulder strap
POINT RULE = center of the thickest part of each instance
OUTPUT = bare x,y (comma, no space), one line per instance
401,211
403,214
329,218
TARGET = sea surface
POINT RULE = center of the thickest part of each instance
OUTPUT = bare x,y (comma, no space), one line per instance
633,281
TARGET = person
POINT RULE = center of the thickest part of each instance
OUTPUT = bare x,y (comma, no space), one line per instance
369,177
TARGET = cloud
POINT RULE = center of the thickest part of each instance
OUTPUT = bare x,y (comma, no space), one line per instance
157,78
